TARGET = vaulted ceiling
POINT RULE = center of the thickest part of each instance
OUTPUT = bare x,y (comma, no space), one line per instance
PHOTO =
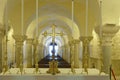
59,12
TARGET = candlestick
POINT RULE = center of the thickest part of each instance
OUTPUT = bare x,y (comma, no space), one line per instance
86,31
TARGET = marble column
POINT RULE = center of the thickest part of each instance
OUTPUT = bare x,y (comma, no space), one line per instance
29,43
65,47
71,54
34,49
1,50
108,32
19,39
63,52
40,51
106,50
35,52
76,53
86,52
70,46
41,55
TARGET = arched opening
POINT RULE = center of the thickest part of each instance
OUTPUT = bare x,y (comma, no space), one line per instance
51,48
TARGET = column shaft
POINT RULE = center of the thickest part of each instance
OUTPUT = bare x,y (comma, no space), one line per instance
1,50
76,53
71,53
63,52
19,39
29,52
85,60
107,51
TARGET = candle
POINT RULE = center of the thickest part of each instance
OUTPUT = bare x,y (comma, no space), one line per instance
100,19
6,18
72,12
36,18
22,15
86,29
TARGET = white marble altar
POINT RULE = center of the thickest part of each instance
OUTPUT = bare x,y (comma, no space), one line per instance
93,74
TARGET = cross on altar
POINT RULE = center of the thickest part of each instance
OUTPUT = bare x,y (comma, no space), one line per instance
53,34
53,64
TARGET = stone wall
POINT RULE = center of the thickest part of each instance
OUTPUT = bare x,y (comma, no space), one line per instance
116,66
94,63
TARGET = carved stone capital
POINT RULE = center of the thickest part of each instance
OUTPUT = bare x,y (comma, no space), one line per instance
19,37
2,32
86,39
106,41
107,30
76,41
70,43
29,41
35,42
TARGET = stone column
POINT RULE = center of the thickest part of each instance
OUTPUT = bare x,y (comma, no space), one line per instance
65,47
63,52
76,53
1,45
85,59
72,55
19,39
108,32
35,52
34,48
40,51
67,52
70,45
29,43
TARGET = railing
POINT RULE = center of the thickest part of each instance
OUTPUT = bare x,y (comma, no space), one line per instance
112,72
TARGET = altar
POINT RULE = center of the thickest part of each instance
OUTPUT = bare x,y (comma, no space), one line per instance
93,74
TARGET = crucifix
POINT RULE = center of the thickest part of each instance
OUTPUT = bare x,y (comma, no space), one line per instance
53,64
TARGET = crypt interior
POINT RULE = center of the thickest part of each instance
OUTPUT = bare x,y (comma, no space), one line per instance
76,33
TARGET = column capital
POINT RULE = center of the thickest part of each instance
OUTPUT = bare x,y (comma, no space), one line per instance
71,43
106,41
19,37
2,32
86,39
107,30
35,42
76,41
29,41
